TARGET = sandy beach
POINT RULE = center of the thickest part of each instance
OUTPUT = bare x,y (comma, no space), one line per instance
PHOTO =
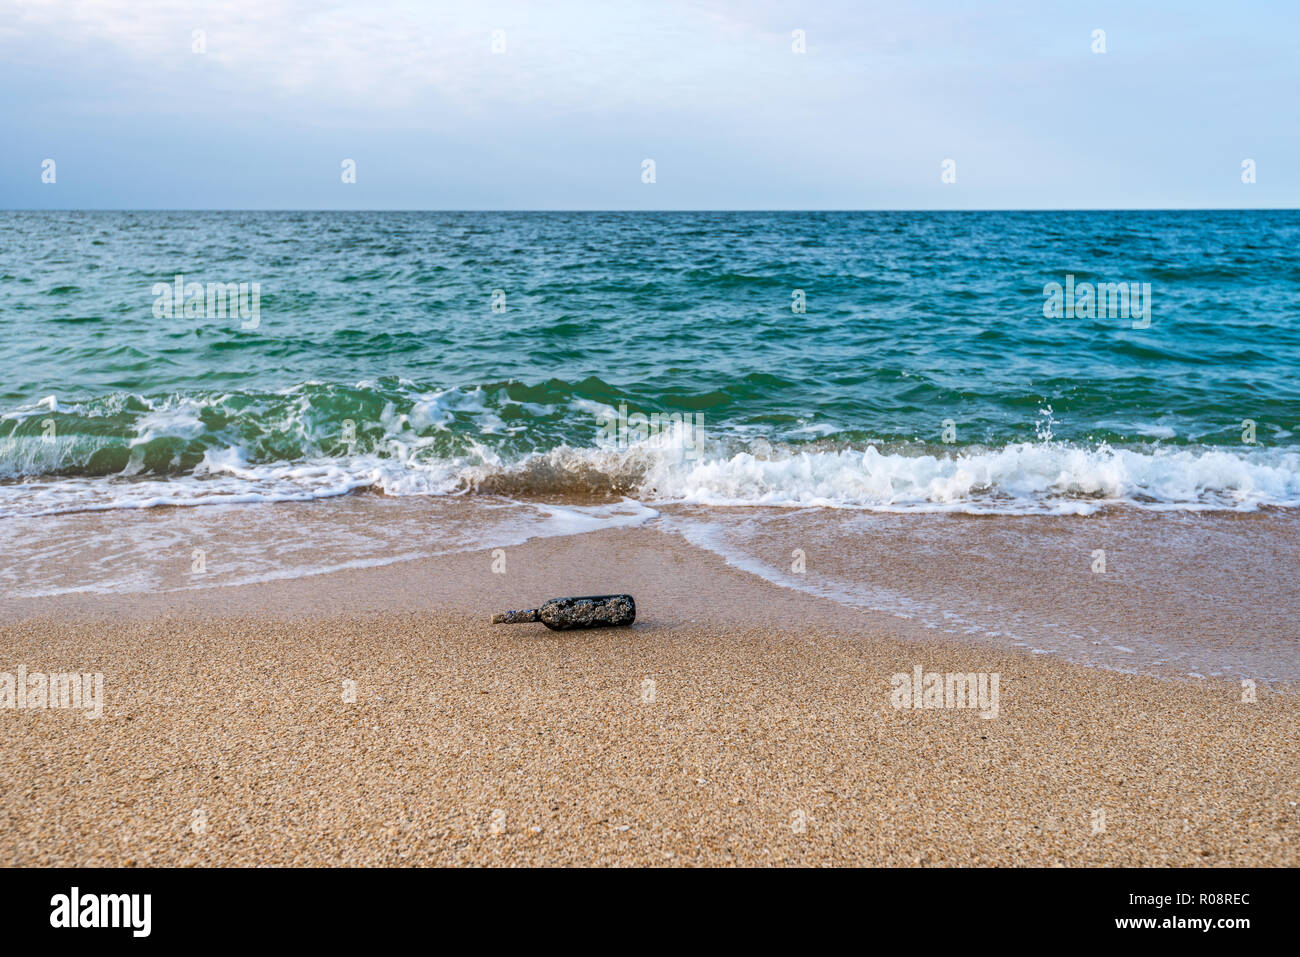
372,717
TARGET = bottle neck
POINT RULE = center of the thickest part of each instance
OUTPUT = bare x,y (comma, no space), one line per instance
515,617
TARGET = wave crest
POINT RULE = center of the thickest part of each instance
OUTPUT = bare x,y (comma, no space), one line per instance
319,440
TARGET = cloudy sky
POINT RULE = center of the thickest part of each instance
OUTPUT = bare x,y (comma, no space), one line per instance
114,92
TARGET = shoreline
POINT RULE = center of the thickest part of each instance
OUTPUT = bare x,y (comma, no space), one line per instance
1175,595
769,735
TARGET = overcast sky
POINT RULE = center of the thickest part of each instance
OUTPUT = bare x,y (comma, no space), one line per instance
713,92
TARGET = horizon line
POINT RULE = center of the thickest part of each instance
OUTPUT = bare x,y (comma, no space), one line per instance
879,209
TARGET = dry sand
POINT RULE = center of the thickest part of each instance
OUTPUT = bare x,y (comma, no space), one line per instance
226,739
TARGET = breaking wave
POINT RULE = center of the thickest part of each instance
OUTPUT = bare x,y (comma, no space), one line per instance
316,441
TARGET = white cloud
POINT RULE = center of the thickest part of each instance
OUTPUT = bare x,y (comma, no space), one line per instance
390,54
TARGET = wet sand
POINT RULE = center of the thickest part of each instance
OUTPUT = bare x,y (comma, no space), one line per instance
736,723
1173,594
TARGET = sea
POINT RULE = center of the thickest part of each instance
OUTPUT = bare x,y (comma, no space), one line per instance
920,377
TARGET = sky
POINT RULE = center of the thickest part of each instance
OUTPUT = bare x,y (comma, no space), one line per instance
261,108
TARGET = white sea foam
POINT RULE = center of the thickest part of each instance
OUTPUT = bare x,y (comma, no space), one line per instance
1155,431
1020,478
407,453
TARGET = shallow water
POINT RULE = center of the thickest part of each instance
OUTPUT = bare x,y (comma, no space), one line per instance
1173,594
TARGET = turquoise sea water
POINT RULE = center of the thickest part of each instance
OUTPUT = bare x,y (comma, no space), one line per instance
923,373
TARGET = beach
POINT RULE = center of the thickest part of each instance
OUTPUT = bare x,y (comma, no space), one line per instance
944,551
370,716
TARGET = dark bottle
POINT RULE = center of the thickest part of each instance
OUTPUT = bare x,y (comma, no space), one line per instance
589,611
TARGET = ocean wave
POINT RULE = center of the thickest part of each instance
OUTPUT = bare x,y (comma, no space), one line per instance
1019,478
541,442
1024,478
